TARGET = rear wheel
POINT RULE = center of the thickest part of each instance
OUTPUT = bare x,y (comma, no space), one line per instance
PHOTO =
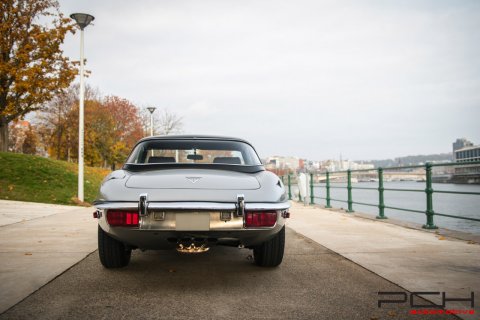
270,253
113,253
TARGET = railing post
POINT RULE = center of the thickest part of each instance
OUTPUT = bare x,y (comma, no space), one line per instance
349,188
381,202
327,186
429,194
289,187
311,189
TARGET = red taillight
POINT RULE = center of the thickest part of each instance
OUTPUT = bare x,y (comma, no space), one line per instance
118,218
255,219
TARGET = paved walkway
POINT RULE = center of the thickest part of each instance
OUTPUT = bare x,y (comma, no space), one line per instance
416,260
39,242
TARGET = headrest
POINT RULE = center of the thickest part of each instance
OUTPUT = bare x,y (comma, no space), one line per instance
161,159
227,160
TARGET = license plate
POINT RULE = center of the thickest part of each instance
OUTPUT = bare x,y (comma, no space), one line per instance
192,221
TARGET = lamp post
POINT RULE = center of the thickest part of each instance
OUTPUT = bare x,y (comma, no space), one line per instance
151,109
82,20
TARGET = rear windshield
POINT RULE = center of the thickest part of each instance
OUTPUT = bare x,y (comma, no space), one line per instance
194,152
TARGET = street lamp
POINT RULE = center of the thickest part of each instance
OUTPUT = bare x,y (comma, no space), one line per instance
151,109
82,20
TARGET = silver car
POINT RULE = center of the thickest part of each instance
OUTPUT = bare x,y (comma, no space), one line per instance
190,193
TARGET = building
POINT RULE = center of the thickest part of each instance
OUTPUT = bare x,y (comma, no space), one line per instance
282,165
461,143
466,152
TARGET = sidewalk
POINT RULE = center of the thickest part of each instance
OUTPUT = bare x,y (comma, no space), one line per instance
413,259
38,243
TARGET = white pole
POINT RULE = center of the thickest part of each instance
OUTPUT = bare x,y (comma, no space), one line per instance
81,124
307,191
151,123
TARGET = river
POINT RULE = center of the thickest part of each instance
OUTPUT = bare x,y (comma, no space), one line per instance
452,204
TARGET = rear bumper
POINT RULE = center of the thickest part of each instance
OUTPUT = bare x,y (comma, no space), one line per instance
194,205
159,228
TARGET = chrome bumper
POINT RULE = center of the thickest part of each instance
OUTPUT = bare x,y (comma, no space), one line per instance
159,228
217,206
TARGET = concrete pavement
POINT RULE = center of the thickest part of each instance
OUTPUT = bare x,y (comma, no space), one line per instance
223,283
39,242
416,260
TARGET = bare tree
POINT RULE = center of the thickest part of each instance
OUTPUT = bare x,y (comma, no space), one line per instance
169,122
165,122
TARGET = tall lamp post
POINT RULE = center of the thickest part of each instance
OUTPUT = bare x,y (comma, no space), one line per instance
151,109
82,20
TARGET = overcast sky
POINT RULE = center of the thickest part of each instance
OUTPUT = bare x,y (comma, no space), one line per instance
306,78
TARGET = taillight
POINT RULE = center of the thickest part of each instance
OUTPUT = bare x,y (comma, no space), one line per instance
120,218
255,219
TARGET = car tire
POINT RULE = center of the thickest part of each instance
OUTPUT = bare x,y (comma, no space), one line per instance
113,253
270,253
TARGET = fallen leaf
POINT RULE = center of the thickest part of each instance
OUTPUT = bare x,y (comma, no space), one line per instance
441,238
28,254
392,313
172,270
471,242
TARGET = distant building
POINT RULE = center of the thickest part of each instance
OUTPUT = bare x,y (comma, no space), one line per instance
282,165
468,154
461,143
465,154
18,133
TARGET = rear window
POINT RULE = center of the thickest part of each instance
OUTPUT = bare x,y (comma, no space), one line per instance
194,152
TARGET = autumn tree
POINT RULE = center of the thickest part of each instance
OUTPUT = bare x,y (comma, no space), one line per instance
32,66
127,128
58,122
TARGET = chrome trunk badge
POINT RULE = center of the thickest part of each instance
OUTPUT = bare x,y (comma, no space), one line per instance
193,179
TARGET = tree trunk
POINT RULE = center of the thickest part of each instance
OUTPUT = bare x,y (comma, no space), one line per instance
3,134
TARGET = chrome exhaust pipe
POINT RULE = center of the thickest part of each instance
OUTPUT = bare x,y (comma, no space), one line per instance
192,248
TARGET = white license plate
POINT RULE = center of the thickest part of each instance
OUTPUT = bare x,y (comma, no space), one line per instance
192,221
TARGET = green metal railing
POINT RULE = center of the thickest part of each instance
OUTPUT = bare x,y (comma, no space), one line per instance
429,191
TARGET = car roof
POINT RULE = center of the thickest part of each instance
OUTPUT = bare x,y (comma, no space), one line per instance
194,137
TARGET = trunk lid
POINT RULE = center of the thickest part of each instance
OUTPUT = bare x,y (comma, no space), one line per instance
193,179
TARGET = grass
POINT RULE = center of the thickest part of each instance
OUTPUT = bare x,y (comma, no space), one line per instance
36,179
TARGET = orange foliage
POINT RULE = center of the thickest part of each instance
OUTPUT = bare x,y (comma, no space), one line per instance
32,66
